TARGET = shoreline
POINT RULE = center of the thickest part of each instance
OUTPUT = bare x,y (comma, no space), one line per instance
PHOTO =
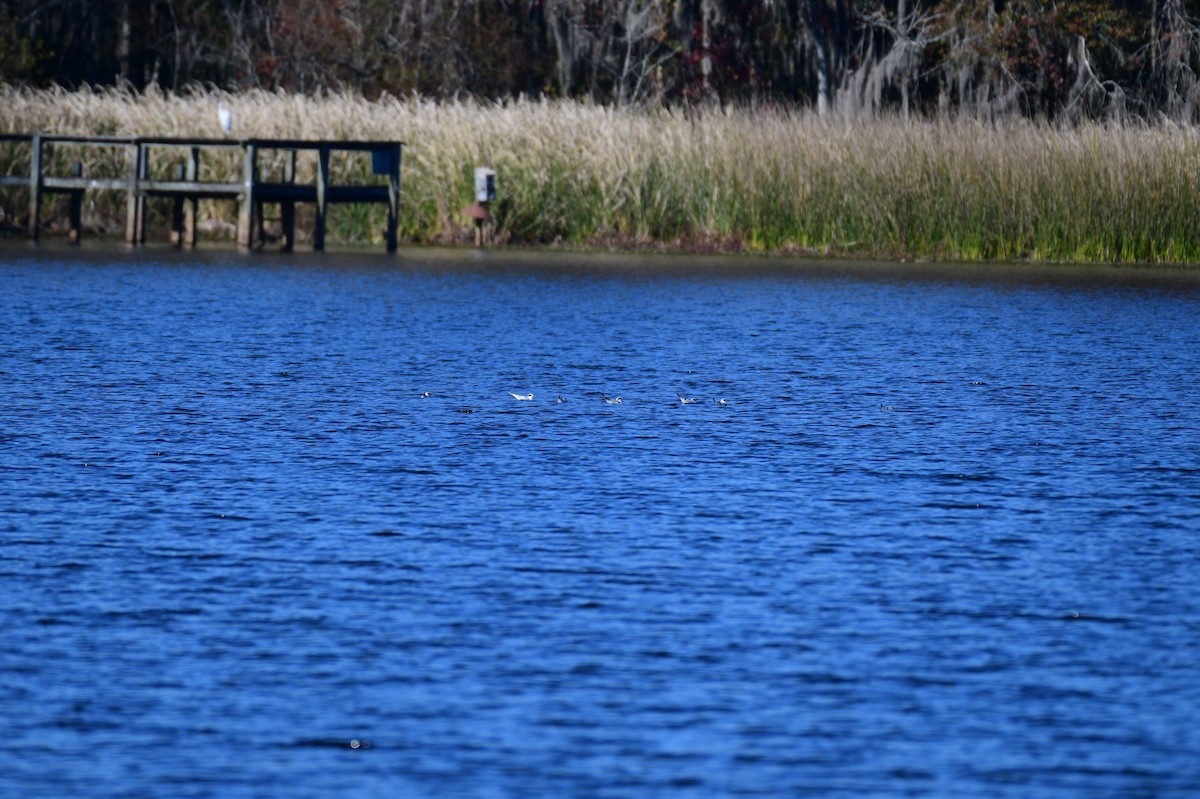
691,181
647,259
54,236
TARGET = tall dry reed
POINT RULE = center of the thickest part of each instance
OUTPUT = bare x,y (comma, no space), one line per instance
760,180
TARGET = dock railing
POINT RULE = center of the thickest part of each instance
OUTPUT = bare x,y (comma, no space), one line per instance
187,186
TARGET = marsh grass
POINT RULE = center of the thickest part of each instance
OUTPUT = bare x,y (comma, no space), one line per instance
759,180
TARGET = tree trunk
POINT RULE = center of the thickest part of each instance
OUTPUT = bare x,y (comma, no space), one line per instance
124,40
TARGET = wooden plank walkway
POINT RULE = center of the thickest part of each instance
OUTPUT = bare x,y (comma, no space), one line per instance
187,188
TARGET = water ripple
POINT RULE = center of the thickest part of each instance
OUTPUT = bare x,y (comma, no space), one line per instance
939,541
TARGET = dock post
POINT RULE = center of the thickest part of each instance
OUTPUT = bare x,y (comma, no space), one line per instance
76,215
287,208
135,204
246,213
35,186
131,195
143,174
177,211
322,199
192,171
393,195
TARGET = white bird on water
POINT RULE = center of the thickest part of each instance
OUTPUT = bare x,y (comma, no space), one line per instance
526,397
225,117
611,400
686,400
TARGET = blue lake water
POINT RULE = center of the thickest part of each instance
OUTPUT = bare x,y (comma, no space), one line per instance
942,539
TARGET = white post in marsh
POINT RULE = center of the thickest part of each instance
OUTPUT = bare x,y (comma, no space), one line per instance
485,193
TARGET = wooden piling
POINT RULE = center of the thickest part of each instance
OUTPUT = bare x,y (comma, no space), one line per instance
142,205
76,214
393,219
35,186
245,230
192,172
177,224
287,208
132,193
322,197
131,198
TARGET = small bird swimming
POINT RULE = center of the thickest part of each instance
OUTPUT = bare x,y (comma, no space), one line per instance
525,397
686,400
561,398
611,400
424,394
721,402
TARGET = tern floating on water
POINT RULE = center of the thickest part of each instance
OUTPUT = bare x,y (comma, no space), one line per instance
686,400
526,397
611,400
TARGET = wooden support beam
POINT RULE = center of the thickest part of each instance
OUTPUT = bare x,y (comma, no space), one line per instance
50,183
177,211
191,171
287,208
143,174
393,218
322,198
76,215
131,193
245,231
131,198
35,186
169,188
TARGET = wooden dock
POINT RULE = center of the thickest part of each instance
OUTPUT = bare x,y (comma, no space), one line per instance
187,186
